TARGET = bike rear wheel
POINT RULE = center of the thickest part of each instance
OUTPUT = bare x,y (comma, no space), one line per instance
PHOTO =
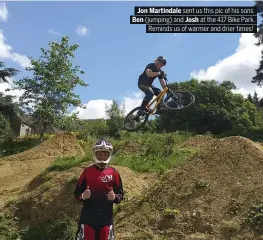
131,119
178,100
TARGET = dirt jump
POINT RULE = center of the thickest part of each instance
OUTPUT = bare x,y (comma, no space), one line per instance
207,197
18,170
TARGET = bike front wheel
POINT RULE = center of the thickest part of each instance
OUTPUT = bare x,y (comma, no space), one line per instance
178,100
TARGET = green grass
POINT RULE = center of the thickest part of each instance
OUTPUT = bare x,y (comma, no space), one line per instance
153,163
65,163
154,152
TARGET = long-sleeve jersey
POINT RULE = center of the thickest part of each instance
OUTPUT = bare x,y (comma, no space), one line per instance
98,209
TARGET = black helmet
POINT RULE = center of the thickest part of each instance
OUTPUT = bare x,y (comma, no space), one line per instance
161,60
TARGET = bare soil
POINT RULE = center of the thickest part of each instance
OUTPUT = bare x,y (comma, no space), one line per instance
207,197
19,169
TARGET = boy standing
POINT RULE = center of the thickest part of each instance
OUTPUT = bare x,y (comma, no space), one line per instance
99,187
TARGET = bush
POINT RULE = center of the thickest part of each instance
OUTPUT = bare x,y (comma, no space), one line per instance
58,229
255,217
14,146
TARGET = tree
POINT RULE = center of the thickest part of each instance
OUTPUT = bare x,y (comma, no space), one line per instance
49,92
9,110
260,103
259,34
217,109
8,107
228,85
6,72
249,98
115,118
258,78
5,128
69,123
255,98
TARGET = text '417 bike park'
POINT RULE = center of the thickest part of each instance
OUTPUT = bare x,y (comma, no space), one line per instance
196,19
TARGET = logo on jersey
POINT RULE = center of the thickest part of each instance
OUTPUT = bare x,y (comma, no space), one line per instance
106,178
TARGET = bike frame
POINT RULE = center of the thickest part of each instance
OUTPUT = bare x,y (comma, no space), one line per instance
157,100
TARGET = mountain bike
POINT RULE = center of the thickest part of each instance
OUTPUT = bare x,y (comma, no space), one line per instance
173,102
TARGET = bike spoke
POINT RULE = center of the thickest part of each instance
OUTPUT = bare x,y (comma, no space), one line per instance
133,121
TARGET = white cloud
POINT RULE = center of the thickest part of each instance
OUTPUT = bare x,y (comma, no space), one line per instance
21,59
238,67
96,108
81,30
3,12
51,31
16,93
7,53
132,101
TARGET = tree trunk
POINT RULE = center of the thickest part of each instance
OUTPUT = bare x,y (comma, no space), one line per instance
41,137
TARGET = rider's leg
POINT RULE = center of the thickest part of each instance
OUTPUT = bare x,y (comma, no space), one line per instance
157,91
149,93
107,232
86,232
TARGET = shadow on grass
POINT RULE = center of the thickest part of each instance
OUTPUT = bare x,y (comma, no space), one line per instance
60,164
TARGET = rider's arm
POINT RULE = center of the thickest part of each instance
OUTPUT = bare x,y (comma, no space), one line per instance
80,187
118,188
150,73
163,83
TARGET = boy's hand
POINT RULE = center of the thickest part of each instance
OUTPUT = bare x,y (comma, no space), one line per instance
86,194
111,195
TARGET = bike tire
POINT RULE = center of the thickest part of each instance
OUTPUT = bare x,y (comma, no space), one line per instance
185,93
138,127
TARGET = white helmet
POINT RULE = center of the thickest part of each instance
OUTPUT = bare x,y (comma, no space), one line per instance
102,145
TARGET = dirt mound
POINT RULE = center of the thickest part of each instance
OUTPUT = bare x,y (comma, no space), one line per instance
207,197
61,144
17,170
55,193
198,141
134,184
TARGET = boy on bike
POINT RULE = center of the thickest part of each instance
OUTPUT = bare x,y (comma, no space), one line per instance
98,188
146,79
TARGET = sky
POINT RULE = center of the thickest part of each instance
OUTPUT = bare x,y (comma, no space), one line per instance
113,53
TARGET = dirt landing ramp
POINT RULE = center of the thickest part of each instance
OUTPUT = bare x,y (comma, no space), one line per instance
208,196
